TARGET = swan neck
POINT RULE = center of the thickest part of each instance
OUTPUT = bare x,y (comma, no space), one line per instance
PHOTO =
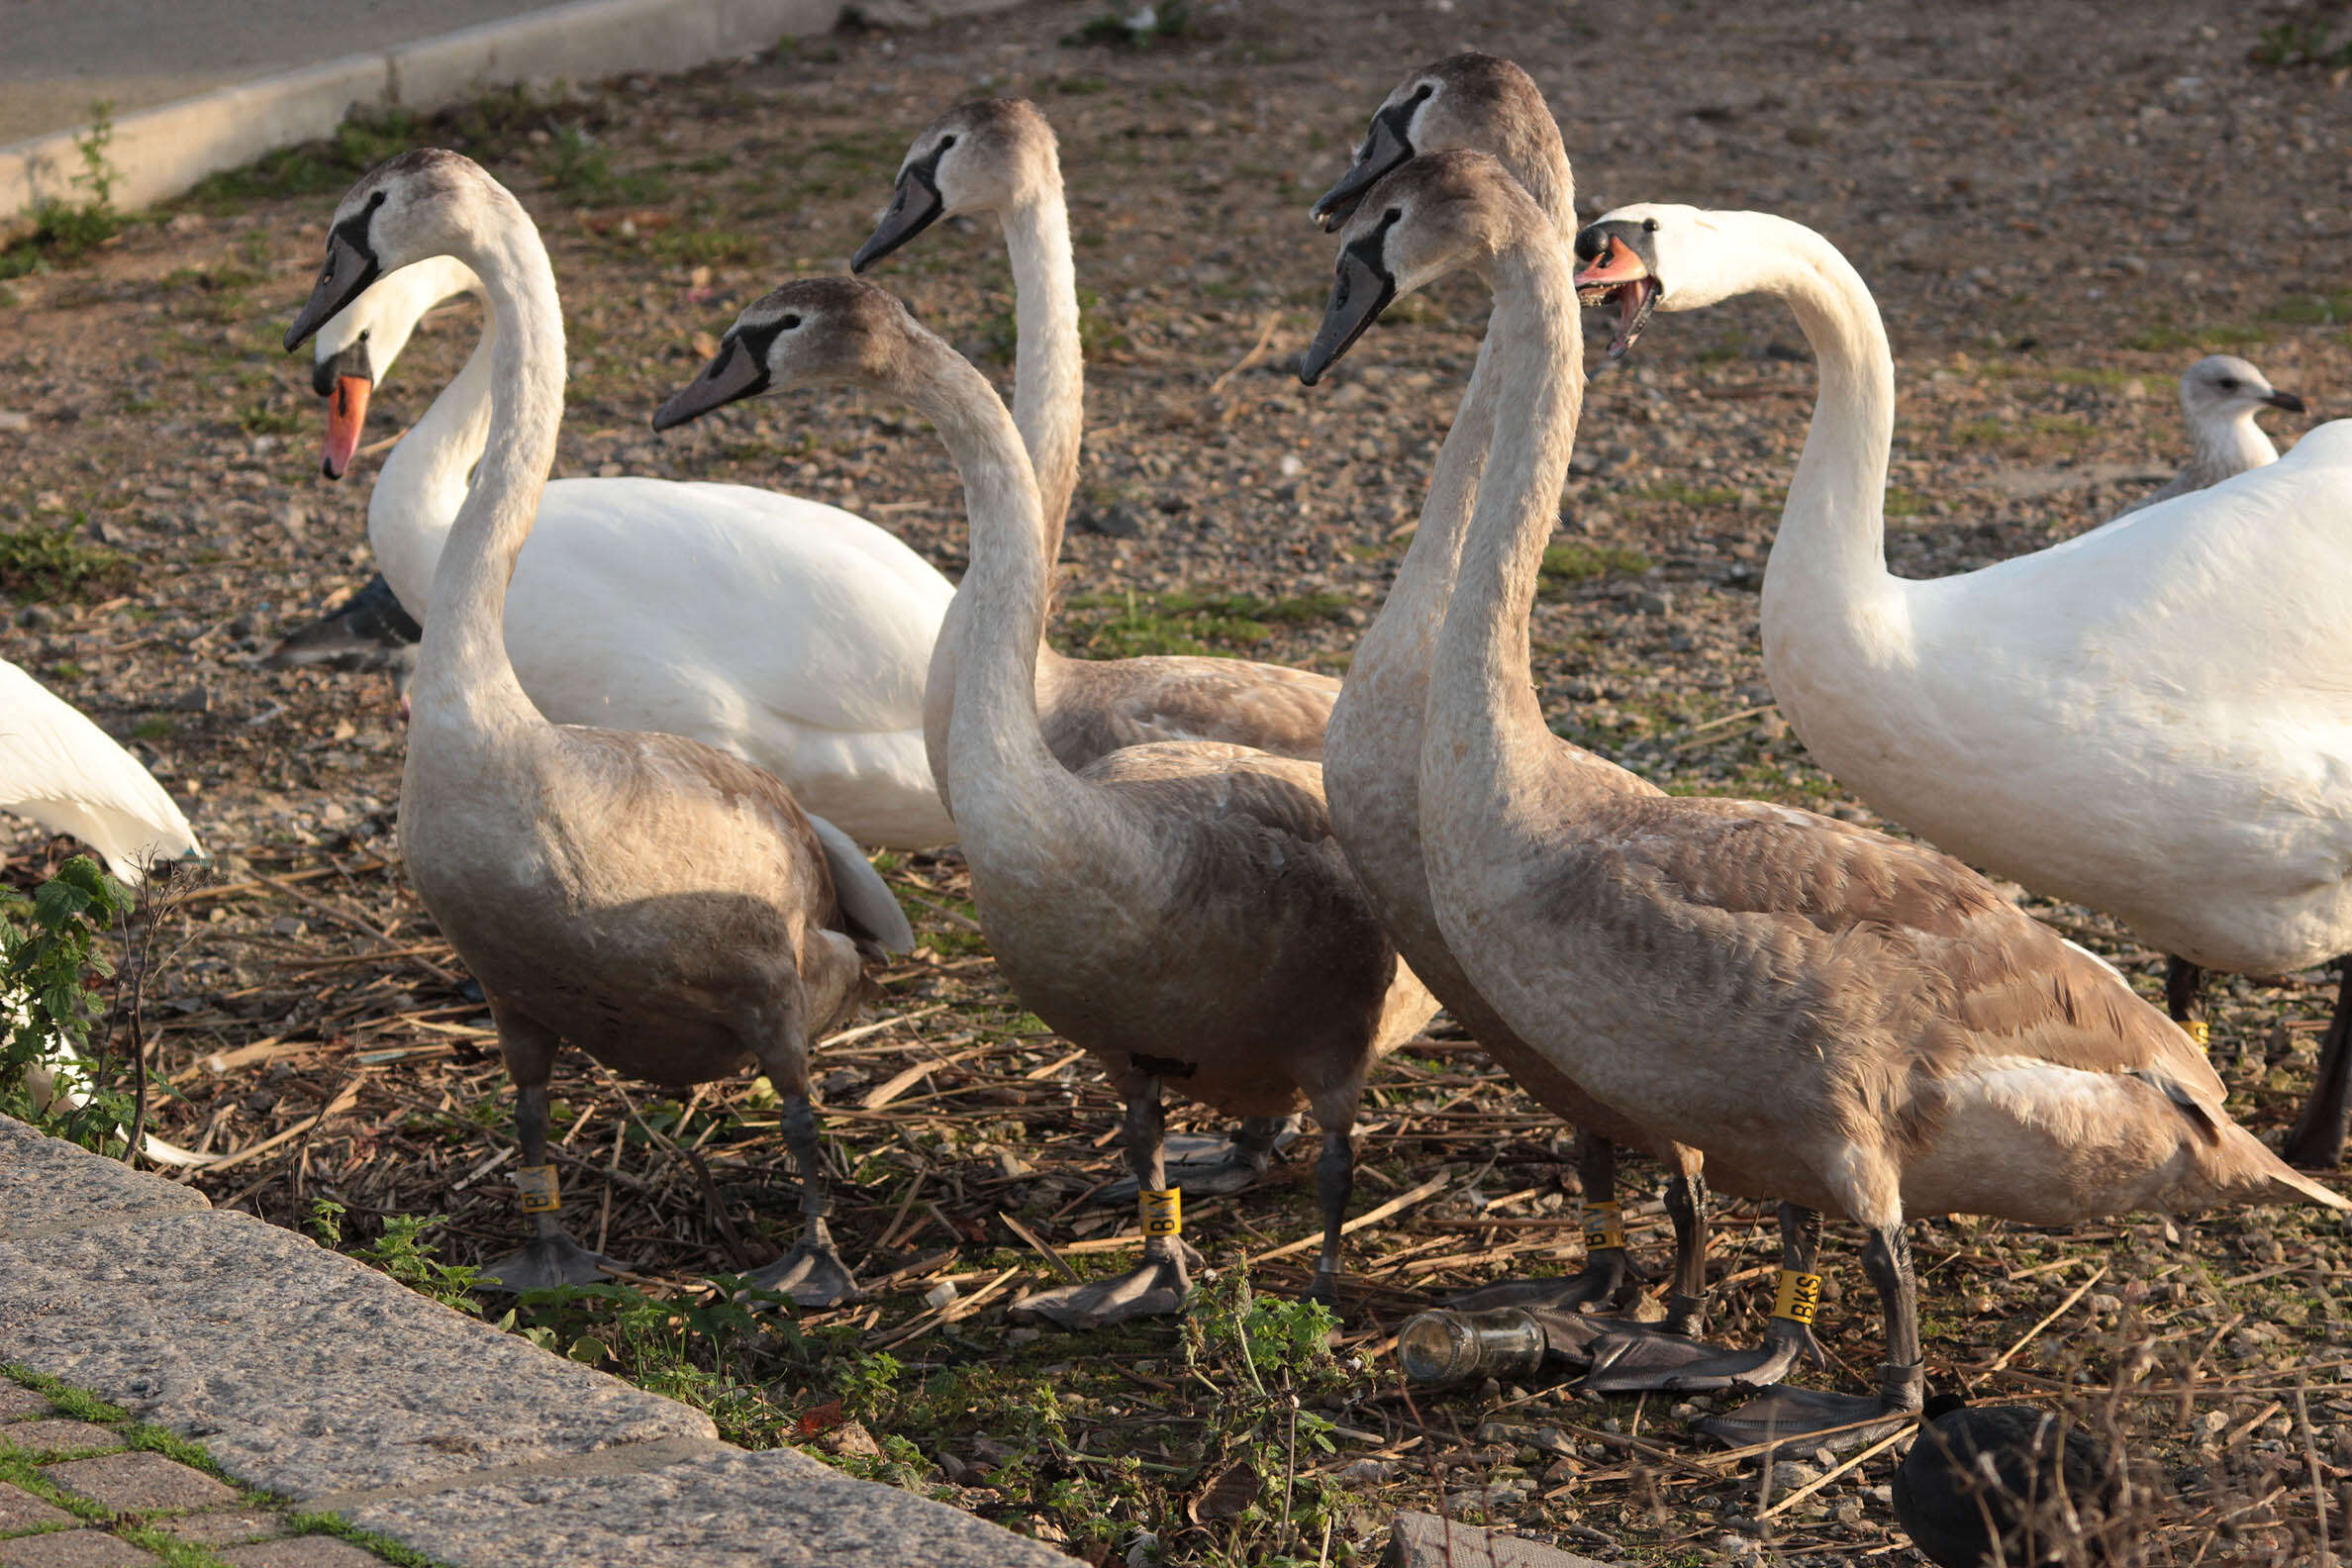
1832,535
424,480
1404,635
995,745
463,669
1049,368
1483,717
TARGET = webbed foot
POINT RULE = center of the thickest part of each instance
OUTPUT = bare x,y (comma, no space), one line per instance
548,1260
811,1274
1602,1279
1207,1165
1159,1286
1820,1417
1645,1360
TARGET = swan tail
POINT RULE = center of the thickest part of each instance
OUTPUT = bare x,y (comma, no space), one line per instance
866,901
2248,1171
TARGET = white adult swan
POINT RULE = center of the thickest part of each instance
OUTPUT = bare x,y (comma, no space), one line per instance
1846,1021
71,778
61,770
2221,395
1178,909
998,156
784,632
664,906
2153,719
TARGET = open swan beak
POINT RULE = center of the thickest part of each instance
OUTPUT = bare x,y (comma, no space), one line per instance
1615,272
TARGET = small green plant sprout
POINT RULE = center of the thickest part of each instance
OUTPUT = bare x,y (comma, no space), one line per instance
67,230
51,952
1139,24
1265,1357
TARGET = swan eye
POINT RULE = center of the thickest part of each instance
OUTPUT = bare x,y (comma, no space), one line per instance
1425,93
947,142
788,323
1649,225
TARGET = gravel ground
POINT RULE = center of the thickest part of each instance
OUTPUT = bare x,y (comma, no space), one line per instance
2058,211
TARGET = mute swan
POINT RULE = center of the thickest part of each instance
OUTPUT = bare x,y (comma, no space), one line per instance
784,632
69,775
664,906
1372,754
1179,910
999,155
1850,1022
370,630
2153,718
2219,396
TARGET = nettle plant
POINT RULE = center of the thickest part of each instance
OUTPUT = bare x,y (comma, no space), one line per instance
53,954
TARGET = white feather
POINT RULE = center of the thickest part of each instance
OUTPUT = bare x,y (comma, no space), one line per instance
66,773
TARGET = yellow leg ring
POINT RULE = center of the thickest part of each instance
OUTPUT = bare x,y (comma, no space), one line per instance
1163,1211
1604,1225
2199,1032
536,1184
1799,1297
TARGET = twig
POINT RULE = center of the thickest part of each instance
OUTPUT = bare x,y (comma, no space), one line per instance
344,1101
1040,1248
1790,1499
1402,1201
1256,350
2055,1314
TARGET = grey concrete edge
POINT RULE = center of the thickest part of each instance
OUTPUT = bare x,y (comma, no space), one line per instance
161,151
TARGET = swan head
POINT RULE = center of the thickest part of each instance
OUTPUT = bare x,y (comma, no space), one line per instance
1648,257
986,155
1480,103
1438,213
812,332
355,349
407,209
2222,389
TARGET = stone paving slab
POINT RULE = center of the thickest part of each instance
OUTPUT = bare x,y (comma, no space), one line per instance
303,1551
17,1401
729,1508
41,1438
1424,1541
227,1528
139,1483
53,1186
82,1548
299,1370
20,1510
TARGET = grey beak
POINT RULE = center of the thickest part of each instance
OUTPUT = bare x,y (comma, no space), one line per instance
345,277
915,205
1358,295
1384,149
2288,401
732,374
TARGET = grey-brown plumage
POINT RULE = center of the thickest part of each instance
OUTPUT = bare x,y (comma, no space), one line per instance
1180,909
655,902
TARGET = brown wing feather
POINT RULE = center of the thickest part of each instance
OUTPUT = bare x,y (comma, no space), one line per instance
1988,979
1120,703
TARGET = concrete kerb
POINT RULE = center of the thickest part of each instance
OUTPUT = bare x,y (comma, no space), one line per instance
311,1377
160,152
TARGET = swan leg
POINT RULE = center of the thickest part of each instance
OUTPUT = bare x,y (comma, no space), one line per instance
1839,1420
1652,1361
1334,1184
1204,1165
812,1273
551,1256
1608,1268
2184,995
1161,1283
2317,1138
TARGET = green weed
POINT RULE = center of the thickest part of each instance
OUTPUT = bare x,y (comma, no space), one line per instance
43,562
1185,622
1574,563
577,169
64,231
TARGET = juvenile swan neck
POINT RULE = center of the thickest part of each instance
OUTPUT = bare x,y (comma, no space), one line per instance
995,746
1483,721
1832,533
1049,366
424,481
462,668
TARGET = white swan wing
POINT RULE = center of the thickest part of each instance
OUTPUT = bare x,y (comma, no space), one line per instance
66,773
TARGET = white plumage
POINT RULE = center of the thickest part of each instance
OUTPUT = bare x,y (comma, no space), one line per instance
69,775
788,633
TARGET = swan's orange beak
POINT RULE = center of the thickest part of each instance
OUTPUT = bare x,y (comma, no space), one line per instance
1615,272
347,415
